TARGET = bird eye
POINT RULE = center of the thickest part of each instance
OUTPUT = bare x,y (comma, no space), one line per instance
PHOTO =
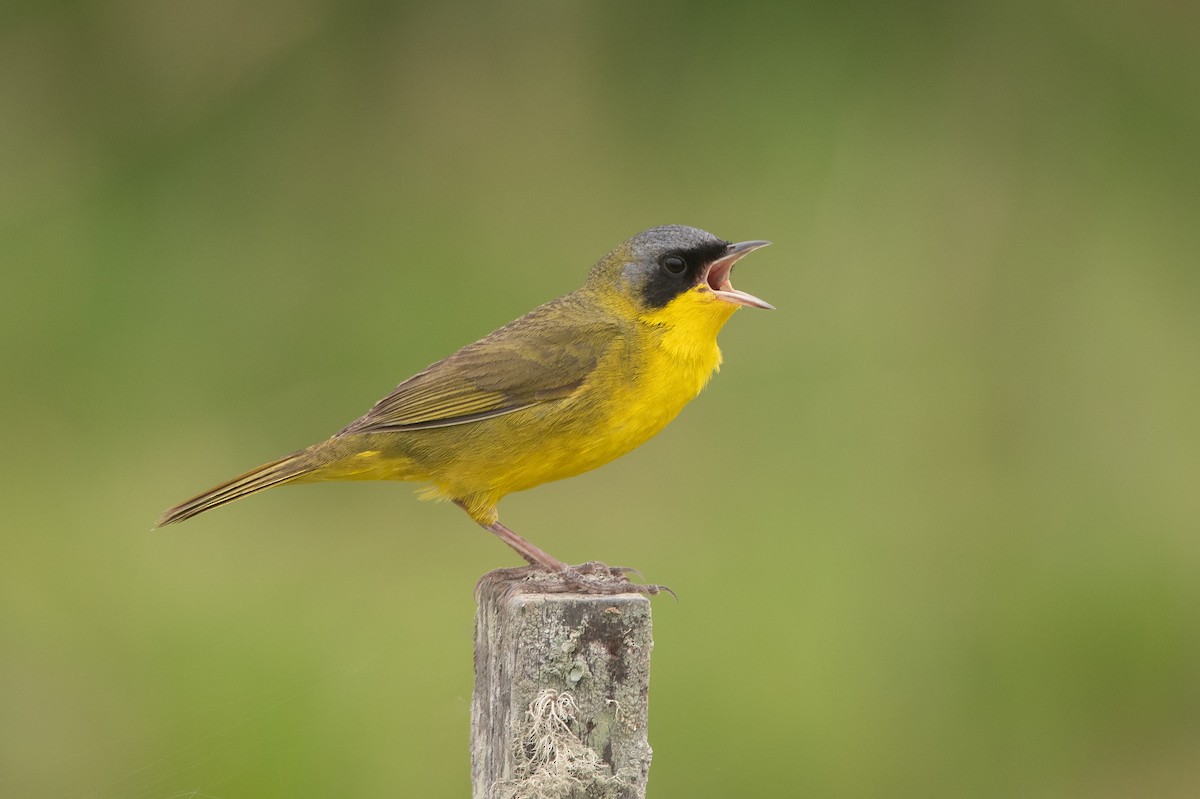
674,264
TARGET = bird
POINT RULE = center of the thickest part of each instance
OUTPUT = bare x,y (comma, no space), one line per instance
568,387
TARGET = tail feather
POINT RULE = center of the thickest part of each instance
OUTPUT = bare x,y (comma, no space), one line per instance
275,473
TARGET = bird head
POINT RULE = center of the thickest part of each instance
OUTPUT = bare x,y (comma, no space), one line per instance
673,271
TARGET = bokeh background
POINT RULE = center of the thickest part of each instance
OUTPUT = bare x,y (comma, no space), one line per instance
934,528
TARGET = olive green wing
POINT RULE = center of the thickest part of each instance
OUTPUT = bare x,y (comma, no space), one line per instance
541,357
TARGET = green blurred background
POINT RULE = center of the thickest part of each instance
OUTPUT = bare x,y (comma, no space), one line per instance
934,527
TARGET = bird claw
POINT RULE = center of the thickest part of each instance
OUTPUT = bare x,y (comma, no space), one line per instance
593,578
595,567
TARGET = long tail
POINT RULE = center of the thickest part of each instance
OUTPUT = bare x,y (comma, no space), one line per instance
284,470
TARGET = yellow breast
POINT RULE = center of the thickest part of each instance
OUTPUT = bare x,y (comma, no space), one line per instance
642,384
678,355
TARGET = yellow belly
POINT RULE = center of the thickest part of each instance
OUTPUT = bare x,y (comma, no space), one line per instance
641,386
618,412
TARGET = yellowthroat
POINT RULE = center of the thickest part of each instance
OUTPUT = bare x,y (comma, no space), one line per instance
569,386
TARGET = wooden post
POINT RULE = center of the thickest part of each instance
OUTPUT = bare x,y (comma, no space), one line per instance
561,692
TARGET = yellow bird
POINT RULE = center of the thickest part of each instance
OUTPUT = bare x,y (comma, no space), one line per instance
568,387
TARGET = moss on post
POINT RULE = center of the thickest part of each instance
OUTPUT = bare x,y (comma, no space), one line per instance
561,692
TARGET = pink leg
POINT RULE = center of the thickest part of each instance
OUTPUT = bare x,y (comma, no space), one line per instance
599,579
534,555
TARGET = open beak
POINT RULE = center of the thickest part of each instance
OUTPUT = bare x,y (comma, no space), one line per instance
717,276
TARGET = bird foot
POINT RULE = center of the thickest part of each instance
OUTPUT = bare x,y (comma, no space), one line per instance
595,567
593,578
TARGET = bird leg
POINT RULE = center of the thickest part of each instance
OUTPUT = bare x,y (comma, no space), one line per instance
531,553
592,577
484,515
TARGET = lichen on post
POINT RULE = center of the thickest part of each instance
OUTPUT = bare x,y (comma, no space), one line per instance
561,691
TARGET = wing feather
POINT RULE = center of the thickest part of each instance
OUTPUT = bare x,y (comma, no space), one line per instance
544,356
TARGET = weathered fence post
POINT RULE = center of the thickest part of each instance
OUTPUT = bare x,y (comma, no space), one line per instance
561,692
